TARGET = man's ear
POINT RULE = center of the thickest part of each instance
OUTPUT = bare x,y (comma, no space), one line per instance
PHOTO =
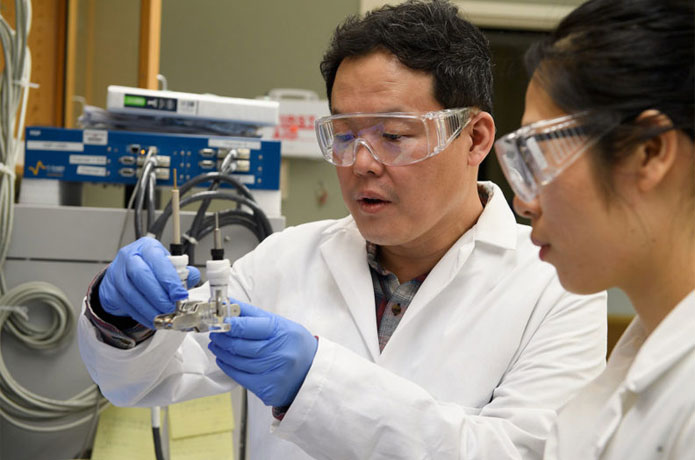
482,132
654,158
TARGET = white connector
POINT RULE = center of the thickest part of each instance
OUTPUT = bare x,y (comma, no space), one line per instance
218,273
181,265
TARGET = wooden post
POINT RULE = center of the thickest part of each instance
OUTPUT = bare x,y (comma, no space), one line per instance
70,58
150,34
47,44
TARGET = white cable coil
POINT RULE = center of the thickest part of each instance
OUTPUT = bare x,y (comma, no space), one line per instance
19,405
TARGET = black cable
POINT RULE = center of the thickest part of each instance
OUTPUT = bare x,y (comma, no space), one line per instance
242,220
259,218
158,453
216,178
242,424
206,177
158,228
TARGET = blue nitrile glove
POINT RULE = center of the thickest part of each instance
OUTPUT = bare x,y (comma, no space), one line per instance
265,353
142,283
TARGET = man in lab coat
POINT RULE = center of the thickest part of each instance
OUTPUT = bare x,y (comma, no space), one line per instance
421,326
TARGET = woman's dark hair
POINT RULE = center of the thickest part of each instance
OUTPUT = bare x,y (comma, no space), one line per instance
616,59
423,35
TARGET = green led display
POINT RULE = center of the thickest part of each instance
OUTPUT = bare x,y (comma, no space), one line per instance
134,101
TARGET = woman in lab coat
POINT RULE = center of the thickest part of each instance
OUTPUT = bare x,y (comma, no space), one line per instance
604,167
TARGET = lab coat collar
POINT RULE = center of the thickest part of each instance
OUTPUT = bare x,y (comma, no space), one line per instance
496,225
345,253
669,342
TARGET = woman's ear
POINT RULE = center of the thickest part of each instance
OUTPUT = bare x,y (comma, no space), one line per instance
482,129
654,158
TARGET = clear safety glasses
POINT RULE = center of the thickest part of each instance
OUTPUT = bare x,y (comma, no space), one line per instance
394,139
533,155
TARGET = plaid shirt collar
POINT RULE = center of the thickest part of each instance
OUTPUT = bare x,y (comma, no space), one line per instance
372,254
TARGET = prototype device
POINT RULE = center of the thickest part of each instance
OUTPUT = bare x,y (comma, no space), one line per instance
199,316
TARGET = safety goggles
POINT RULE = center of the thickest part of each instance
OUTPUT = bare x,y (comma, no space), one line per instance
394,138
533,155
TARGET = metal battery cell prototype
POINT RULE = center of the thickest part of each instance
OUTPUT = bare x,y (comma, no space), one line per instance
198,316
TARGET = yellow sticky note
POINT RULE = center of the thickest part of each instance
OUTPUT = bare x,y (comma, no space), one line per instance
212,414
219,446
124,432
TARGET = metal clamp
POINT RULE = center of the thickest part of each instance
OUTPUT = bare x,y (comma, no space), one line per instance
198,316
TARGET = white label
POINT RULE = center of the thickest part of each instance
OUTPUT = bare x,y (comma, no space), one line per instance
536,153
56,145
234,144
245,178
187,107
87,159
91,171
95,137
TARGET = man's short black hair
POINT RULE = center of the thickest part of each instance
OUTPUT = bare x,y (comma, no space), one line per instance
423,35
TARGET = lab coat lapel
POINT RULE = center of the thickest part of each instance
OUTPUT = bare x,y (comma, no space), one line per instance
496,227
345,254
437,280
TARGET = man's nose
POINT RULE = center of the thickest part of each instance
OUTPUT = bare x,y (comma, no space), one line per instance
365,159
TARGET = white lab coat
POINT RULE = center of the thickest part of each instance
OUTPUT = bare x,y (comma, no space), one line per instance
489,348
643,405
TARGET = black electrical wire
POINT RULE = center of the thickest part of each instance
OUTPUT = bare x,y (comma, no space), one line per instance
243,424
158,452
216,178
260,217
239,218
206,177
158,227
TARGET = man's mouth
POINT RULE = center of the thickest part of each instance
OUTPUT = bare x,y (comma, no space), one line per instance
371,201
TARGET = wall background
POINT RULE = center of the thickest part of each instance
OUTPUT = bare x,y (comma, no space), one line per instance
229,48
244,49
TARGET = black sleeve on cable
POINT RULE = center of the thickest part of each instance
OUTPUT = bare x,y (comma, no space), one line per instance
242,424
176,249
158,453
